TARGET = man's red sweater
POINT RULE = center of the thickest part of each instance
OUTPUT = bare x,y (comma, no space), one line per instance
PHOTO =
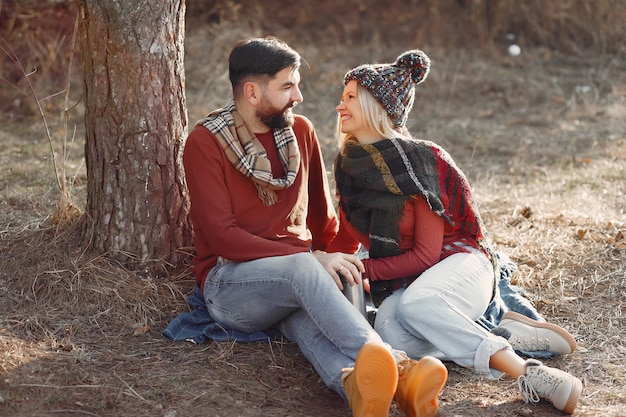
229,219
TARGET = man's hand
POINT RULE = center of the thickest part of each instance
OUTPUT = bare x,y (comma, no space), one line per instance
349,266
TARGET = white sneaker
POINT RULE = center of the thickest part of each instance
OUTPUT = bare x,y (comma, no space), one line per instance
560,388
531,335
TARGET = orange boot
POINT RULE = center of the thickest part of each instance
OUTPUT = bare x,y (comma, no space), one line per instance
419,384
371,384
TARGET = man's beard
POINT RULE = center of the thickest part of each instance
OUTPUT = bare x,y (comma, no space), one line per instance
276,119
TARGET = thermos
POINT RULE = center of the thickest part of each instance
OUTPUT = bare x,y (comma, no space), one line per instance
355,294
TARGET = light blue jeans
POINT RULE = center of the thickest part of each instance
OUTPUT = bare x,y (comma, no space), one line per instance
436,315
297,296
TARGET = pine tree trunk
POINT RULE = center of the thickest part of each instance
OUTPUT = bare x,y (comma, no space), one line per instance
136,124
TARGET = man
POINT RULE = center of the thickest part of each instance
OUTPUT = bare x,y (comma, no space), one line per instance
262,217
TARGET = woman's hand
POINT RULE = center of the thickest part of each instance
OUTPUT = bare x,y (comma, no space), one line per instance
349,266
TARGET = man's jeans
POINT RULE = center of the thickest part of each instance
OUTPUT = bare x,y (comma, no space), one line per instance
436,315
297,296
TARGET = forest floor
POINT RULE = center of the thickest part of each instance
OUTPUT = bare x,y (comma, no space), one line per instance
541,136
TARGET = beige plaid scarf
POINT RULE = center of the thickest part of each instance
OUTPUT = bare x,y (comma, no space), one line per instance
248,156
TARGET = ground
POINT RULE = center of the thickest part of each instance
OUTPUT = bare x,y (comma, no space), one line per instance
541,137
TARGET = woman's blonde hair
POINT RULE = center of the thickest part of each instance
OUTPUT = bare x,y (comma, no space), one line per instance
375,118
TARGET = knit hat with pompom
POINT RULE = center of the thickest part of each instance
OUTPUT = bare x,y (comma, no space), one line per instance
393,85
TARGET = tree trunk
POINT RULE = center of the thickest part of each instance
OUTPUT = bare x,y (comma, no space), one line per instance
136,125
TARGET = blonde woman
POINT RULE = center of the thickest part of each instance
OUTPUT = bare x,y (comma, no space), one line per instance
430,268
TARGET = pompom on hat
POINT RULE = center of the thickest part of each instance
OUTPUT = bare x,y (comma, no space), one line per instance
393,85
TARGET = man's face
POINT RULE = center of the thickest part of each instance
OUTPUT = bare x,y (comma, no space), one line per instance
279,96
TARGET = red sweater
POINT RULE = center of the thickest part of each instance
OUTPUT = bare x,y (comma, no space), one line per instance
229,219
423,239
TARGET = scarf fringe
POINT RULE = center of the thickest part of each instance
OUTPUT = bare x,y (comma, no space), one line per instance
268,197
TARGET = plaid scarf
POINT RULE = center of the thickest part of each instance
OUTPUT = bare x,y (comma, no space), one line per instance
248,155
374,181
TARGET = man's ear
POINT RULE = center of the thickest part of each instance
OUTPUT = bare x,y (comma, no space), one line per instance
252,92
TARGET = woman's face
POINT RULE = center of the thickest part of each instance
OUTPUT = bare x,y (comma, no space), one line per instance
350,112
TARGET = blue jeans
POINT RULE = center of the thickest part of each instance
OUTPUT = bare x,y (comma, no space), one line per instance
436,315
296,295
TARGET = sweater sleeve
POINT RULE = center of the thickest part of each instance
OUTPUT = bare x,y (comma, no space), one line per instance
345,241
321,217
425,251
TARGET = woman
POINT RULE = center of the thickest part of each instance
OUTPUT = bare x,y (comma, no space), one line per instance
430,266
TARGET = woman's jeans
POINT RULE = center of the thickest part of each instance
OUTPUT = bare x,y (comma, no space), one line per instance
436,314
296,295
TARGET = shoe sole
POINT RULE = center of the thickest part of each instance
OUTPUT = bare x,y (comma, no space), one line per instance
512,315
426,380
572,401
376,377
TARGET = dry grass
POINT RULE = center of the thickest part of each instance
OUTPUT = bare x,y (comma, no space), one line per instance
542,138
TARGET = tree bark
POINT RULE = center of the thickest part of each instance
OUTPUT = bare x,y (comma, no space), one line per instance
136,125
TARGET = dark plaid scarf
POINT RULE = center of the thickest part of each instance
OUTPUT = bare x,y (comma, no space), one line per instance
248,155
374,182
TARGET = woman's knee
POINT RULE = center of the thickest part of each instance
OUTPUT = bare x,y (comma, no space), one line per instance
414,302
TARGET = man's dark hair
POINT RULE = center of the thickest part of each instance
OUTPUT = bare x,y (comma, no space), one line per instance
259,57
